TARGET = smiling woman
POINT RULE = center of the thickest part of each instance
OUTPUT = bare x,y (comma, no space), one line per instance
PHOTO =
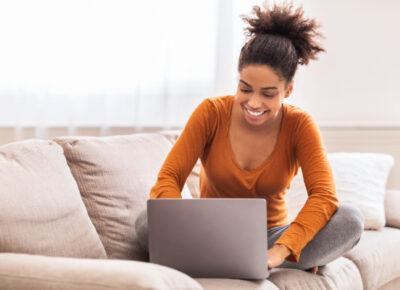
251,145
260,95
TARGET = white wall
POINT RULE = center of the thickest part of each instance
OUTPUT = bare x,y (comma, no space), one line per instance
356,81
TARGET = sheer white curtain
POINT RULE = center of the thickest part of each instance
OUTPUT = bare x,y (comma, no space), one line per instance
112,63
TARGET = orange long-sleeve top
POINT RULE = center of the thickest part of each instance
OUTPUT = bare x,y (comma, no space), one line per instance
206,136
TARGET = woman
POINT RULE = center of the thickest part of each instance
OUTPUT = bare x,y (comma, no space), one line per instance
252,144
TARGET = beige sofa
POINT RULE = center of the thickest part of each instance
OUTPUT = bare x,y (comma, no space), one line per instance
67,221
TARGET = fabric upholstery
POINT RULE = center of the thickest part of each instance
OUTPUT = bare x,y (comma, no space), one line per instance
41,210
377,257
115,175
21,272
114,188
360,180
235,284
337,275
392,208
392,285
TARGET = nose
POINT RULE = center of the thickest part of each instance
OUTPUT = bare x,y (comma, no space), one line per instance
254,101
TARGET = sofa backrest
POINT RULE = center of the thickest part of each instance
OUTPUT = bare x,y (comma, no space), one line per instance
115,175
41,211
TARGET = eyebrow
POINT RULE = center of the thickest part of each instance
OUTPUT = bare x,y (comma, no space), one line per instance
266,88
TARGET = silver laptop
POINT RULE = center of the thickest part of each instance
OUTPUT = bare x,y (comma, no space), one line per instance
209,237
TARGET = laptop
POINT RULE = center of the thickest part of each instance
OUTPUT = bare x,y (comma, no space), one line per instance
209,237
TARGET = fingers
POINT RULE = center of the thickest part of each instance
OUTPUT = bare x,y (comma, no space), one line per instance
314,270
275,257
272,264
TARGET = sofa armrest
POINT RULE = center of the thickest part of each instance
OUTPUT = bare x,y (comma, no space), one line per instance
23,271
392,208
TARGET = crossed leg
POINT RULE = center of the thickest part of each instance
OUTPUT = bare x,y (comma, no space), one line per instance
339,235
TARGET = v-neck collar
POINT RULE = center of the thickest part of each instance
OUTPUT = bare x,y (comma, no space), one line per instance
276,147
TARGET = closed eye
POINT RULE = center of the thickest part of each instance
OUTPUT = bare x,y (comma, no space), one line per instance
268,96
246,91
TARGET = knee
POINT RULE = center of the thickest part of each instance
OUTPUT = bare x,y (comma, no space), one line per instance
351,220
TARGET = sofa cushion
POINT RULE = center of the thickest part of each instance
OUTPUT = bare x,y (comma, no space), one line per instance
377,257
360,180
21,272
339,274
392,285
41,210
235,284
115,175
392,208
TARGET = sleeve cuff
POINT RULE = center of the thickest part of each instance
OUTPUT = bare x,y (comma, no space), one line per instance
294,256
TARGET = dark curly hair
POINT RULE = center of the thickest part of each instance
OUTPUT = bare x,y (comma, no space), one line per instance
280,38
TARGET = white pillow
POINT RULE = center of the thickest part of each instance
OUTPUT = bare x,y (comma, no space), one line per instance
360,180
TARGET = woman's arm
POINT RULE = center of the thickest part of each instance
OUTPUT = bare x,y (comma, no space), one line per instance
322,200
185,152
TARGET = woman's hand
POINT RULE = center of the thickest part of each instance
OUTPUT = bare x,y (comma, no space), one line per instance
276,255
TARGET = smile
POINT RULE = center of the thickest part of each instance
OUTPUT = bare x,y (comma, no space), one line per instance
255,114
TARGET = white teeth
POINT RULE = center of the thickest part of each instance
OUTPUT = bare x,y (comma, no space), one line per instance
255,113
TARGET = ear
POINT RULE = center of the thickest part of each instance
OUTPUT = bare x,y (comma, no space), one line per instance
289,89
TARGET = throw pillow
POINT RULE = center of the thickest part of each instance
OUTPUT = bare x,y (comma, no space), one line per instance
41,210
360,180
115,175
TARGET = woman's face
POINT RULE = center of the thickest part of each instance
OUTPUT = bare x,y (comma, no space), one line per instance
260,94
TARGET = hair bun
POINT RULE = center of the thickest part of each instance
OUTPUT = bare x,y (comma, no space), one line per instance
282,20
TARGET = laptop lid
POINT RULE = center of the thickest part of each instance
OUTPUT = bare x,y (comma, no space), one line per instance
209,237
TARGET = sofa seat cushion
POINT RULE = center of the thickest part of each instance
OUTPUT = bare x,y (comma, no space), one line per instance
392,285
235,284
41,210
339,274
115,175
21,272
377,256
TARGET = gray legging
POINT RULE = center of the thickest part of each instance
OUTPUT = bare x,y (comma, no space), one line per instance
339,235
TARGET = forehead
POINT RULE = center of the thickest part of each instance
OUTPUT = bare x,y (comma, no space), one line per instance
260,76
